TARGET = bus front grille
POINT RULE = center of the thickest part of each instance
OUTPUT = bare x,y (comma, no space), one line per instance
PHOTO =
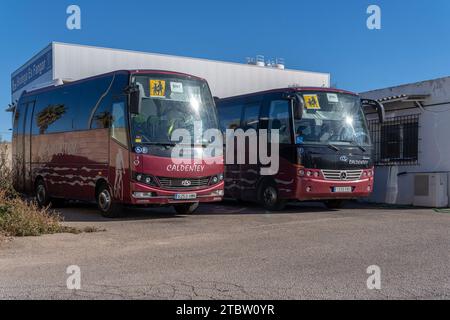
342,175
188,183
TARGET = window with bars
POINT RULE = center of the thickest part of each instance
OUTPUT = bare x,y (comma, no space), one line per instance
396,141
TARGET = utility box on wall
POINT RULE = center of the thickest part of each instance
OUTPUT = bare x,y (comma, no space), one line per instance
431,190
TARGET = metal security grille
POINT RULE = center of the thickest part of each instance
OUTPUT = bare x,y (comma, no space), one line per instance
396,141
171,183
342,175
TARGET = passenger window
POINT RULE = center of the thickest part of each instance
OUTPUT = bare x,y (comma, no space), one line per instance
230,117
279,118
102,117
251,117
118,126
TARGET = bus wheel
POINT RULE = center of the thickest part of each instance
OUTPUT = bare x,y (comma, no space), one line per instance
42,198
334,204
105,203
186,208
269,198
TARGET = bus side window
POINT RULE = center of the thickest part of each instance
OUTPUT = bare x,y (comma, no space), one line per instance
118,127
251,116
230,117
279,119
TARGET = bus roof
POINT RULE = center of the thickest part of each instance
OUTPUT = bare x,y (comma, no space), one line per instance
130,72
290,90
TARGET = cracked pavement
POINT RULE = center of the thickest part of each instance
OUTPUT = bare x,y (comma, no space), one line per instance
227,251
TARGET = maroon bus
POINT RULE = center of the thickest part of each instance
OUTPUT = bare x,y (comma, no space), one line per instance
325,151
108,139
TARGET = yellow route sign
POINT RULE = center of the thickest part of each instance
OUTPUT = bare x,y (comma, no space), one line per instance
157,88
311,101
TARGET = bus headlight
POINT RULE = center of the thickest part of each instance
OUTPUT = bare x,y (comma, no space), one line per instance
145,179
143,195
218,193
216,179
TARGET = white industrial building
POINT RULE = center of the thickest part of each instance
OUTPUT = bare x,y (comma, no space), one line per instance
413,145
61,63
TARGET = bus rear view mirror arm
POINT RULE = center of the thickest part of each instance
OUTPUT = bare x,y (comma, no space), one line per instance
298,104
134,96
377,106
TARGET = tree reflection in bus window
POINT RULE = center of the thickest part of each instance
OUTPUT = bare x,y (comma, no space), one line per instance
118,127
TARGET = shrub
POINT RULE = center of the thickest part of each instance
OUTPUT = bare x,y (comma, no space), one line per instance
19,217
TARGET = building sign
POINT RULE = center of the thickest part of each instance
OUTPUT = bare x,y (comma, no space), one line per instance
34,70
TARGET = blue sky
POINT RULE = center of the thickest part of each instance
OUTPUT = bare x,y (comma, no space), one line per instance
320,35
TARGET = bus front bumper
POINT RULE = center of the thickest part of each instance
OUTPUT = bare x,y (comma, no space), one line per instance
146,195
320,189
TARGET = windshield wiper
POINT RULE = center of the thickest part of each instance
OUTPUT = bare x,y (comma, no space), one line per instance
163,144
332,146
356,144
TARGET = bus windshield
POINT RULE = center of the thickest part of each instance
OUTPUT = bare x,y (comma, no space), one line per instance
170,103
331,118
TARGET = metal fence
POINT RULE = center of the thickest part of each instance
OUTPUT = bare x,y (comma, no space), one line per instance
396,141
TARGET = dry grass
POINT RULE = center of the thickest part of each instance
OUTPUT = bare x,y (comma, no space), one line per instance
22,218
19,218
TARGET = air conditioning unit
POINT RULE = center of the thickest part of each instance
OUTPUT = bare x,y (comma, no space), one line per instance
431,190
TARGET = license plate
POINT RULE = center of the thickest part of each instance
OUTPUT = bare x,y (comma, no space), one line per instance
342,189
185,196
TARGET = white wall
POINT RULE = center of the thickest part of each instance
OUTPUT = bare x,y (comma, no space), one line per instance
434,139
36,71
72,62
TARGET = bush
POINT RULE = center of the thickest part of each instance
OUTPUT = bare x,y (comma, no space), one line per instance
19,217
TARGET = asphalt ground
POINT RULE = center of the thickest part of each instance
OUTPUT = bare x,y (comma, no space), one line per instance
235,251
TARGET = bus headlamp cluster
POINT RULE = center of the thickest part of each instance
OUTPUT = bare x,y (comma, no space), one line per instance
216,179
308,173
368,173
146,179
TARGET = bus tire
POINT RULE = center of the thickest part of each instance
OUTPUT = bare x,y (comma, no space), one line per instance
106,204
269,197
42,196
334,204
186,208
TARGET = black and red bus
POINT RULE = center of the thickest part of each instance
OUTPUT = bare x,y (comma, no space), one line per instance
325,151
108,139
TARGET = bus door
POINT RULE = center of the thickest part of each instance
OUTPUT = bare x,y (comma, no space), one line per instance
249,171
278,115
22,133
28,145
119,159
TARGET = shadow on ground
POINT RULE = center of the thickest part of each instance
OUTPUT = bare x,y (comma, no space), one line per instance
83,212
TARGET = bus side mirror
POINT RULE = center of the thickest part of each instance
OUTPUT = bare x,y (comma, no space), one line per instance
298,104
134,96
377,106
